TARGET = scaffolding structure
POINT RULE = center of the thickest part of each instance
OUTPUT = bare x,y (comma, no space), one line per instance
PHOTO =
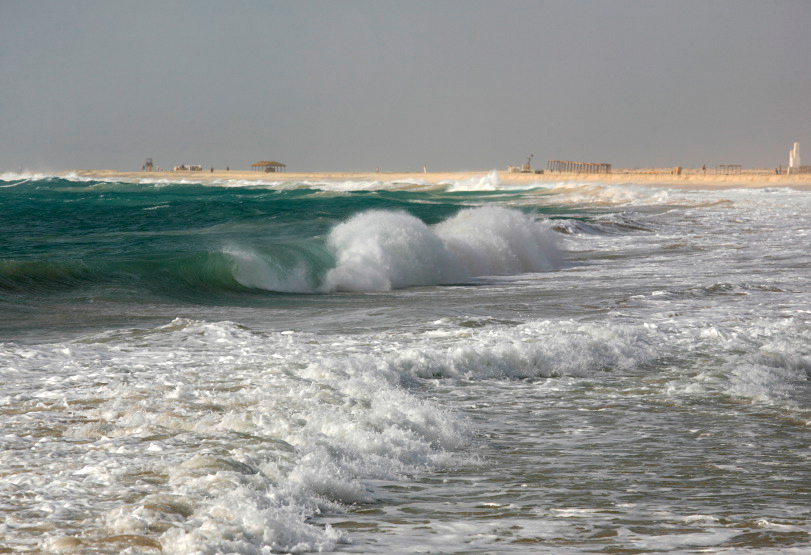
728,169
268,167
577,167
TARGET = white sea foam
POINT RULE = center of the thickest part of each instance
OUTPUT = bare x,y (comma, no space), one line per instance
384,250
656,380
28,176
601,194
246,433
227,440
381,250
489,182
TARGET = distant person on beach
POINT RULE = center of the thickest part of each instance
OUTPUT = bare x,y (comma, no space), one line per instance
704,168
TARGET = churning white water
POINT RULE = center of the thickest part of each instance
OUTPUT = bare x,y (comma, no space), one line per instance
378,251
625,372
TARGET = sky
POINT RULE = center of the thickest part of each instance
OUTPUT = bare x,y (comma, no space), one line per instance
357,85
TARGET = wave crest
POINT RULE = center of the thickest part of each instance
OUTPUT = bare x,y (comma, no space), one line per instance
377,250
380,250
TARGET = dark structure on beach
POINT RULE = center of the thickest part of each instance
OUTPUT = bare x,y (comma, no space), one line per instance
268,167
577,167
728,169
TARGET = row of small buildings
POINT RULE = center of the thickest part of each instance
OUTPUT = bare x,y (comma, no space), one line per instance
263,166
562,166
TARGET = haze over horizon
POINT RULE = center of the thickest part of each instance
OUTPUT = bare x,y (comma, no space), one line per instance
366,84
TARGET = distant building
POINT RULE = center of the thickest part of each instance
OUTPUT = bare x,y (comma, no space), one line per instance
794,159
567,166
268,167
728,169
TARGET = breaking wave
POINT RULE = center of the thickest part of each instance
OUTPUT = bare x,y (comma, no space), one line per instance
381,250
376,250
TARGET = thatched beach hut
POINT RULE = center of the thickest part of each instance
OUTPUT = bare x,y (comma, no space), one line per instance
268,167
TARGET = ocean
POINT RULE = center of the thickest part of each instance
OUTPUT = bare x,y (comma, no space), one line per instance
383,367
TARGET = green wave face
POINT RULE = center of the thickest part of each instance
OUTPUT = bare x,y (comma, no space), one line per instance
219,244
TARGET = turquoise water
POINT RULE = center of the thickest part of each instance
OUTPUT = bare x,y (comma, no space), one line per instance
385,367
167,241
72,243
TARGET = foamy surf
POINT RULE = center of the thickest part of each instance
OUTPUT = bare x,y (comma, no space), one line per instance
378,251
385,250
601,369
218,438
490,183
234,445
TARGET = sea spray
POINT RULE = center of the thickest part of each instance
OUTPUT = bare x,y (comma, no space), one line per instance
382,250
489,182
494,240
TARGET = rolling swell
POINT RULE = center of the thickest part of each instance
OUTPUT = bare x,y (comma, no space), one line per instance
86,241
373,251
182,276
381,250
20,276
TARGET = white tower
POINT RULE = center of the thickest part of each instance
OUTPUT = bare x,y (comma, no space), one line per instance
794,159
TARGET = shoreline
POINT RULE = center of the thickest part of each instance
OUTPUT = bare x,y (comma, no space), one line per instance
689,179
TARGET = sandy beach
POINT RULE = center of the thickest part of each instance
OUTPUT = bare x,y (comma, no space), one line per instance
689,179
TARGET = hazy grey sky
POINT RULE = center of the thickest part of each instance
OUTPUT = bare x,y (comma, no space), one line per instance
360,84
